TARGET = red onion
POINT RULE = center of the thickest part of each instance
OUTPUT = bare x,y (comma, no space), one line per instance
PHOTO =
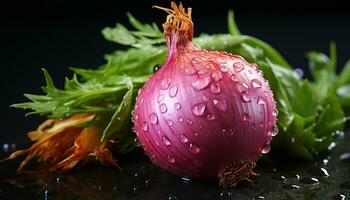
204,113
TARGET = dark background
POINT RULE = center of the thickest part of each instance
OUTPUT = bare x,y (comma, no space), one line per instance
58,34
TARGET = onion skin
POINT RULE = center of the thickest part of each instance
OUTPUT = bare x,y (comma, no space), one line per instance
204,111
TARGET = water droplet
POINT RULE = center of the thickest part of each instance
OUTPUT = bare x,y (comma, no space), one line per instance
190,71
195,134
274,130
6,148
144,126
245,97
137,142
153,118
299,72
203,71
189,121
216,75
169,122
186,179
201,83
220,104
224,69
180,119
210,117
261,101
170,159
193,148
256,83
275,112
165,83
262,125
345,156
165,141
205,98
160,98
173,91
234,78
309,180
172,198
225,194
215,88
177,106
156,68
266,93
331,145
255,66
198,109
238,66
325,172
163,108
266,148
246,117
339,197
183,138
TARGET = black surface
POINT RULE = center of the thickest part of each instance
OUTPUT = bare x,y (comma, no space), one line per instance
59,34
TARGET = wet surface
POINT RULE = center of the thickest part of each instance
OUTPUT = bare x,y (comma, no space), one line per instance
280,178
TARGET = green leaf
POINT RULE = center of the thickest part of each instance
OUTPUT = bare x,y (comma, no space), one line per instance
305,103
285,114
331,119
231,23
121,115
344,76
119,34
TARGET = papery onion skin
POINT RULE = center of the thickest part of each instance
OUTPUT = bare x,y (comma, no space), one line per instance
204,111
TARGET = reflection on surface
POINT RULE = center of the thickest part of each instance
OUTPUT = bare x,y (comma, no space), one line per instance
327,178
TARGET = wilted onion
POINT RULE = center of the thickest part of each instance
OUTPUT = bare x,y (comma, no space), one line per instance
204,113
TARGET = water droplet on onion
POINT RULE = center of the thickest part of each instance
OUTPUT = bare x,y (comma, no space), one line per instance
173,91
234,78
193,148
201,83
266,148
216,75
163,108
165,141
198,109
169,122
210,117
220,104
144,126
245,117
177,106
153,118
245,97
256,83
261,101
238,66
180,119
170,159
215,88
183,138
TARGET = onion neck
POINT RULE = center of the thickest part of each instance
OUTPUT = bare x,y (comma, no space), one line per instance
178,28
